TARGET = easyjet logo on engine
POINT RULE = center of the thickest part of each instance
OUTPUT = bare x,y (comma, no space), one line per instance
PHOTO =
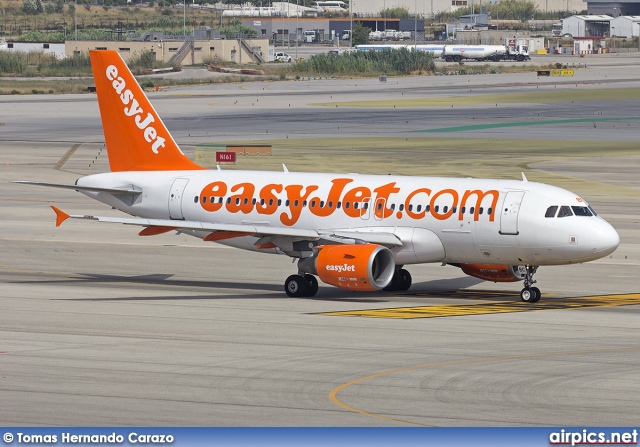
341,268
356,201
134,110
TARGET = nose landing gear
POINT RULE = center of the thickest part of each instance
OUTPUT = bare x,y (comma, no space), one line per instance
530,294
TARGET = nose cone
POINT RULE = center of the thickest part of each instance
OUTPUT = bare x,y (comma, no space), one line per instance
604,239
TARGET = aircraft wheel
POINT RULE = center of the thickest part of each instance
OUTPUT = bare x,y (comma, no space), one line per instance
405,280
528,295
296,286
537,293
395,283
312,284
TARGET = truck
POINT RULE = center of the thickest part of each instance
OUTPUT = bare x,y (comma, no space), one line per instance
496,53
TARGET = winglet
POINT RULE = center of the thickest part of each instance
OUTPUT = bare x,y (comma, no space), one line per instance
61,216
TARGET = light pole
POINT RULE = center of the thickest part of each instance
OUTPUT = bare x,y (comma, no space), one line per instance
184,19
415,25
297,15
351,24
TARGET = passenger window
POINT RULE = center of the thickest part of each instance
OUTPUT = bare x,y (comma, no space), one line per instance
312,204
262,202
480,210
445,209
346,205
228,200
295,203
427,208
339,205
355,205
246,200
195,199
489,211
322,204
565,211
436,208
286,203
393,206
220,199
253,202
419,208
581,211
366,205
379,205
551,211
455,208
280,202
401,207
330,204
472,210
304,203
410,208
462,210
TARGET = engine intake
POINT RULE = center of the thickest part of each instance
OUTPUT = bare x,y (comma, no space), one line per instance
362,267
495,273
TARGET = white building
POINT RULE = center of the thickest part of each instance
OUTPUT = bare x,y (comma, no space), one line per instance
586,26
625,26
56,49
427,8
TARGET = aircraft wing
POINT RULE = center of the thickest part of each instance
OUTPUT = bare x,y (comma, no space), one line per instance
222,231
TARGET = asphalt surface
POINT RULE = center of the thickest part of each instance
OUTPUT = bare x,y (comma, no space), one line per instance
122,330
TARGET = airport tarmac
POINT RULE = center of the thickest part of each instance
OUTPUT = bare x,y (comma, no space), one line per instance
101,327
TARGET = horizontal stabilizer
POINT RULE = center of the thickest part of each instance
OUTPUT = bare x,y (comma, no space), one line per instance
122,190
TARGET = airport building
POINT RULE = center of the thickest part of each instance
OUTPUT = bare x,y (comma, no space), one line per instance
189,52
428,8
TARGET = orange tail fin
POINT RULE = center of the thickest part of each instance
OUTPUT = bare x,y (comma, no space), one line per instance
136,137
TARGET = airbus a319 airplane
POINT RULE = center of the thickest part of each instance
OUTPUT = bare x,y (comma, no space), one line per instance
355,232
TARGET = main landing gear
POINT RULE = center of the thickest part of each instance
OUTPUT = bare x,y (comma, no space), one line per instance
301,285
530,294
401,281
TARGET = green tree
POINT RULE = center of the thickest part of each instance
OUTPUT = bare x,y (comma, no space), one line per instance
72,8
58,6
398,12
360,34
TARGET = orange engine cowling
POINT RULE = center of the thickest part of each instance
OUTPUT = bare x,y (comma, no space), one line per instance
361,267
495,273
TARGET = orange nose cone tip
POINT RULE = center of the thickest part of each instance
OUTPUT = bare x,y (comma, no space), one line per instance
61,216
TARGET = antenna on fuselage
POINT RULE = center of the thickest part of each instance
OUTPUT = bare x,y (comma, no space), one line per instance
284,168
524,178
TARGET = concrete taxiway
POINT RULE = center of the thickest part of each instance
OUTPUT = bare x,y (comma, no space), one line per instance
101,327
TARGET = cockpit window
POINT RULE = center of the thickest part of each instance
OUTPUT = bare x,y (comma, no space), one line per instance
593,211
581,211
565,211
551,211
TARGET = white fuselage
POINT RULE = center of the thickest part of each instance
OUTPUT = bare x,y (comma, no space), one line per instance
448,220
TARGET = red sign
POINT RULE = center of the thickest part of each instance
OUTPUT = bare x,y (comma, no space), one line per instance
225,157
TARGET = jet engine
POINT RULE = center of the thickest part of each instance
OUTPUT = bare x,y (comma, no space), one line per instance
495,273
361,267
